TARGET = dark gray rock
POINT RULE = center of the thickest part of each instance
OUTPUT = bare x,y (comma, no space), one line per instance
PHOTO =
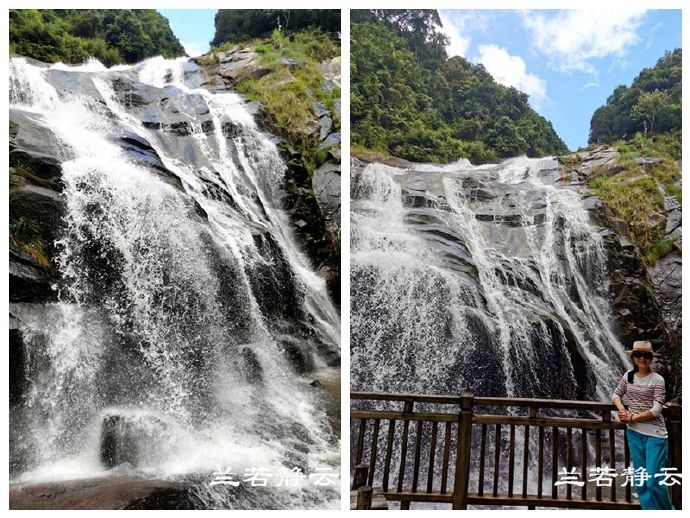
291,62
298,356
326,185
326,127
320,109
35,152
130,439
647,162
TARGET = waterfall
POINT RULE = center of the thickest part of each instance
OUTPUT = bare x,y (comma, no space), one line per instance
491,279
189,323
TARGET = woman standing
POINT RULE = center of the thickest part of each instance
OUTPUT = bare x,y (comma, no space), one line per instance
647,436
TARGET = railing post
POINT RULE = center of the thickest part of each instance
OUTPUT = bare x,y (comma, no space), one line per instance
365,496
360,477
675,453
462,460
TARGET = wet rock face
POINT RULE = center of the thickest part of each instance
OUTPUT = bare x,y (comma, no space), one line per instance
131,440
647,300
313,204
496,270
119,492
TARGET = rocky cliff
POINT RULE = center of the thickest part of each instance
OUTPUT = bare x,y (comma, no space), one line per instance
309,136
646,291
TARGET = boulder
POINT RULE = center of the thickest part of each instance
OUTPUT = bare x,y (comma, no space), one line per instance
326,127
35,152
131,439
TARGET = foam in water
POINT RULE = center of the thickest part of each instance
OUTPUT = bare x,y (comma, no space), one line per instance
164,321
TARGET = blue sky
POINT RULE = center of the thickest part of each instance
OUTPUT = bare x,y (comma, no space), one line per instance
193,27
568,62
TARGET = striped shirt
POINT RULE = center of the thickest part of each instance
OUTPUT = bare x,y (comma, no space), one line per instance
646,393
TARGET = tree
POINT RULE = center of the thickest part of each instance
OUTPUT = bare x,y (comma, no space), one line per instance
628,106
408,100
650,105
236,25
110,35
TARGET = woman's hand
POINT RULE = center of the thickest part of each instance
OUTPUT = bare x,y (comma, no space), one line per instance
624,416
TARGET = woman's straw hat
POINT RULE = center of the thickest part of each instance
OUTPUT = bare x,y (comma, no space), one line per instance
643,346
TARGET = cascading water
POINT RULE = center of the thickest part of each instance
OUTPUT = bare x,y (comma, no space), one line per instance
491,279
189,325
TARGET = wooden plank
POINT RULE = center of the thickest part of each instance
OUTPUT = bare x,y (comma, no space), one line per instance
597,458
525,461
421,398
583,465
417,455
374,451
360,441
378,501
359,478
540,463
533,500
594,406
560,422
402,416
446,458
497,457
419,497
554,463
511,460
463,452
482,461
626,460
365,496
612,460
569,460
389,453
403,455
432,457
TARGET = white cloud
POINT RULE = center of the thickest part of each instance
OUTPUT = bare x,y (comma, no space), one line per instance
590,85
512,71
194,48
458,43
570,39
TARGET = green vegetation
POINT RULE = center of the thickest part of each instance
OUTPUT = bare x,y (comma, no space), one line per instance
295,82
635,195
26,234
410,101
652,102
73,35
238,25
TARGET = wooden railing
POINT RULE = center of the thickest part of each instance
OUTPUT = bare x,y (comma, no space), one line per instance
467,450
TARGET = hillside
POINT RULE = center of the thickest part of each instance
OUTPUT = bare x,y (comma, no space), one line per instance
112,36
237,25
652,101
409,100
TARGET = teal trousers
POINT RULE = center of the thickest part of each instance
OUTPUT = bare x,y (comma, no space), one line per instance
650,453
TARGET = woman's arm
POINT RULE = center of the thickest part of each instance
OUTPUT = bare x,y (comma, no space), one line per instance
618,393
